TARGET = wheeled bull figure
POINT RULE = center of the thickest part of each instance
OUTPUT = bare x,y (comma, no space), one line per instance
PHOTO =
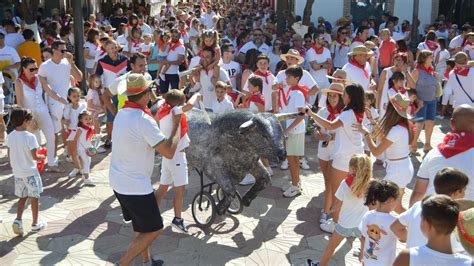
231,146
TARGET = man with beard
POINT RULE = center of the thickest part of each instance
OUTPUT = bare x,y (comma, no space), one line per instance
174,59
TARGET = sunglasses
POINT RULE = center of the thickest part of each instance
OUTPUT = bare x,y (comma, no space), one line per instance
307,40
277,44
33,69
63,51
344,32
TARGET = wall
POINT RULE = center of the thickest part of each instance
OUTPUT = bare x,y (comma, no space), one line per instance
404,10
331,10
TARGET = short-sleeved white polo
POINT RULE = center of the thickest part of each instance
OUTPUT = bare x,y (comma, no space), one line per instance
173,56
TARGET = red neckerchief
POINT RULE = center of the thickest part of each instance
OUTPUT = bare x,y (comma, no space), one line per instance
461,71
467,42
184,32
264,75
357,39
429,69
303,90
175,45
136,43
30,82
446,73
129,104
256,98
353,62
165,109
233,96
318,50
349,179
89,130
401,90
341,43
432,45
359,116
333,112
456,142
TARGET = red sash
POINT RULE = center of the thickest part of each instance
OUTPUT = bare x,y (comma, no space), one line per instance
175,45
30,82
456,142
89,130
133,105
263,75
165,109
461,71
432,45
429,69
333,112
353,62
256,98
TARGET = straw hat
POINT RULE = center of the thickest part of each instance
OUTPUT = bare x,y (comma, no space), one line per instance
339,74
335,88
400,102
134,84
360,50
293,53
465,230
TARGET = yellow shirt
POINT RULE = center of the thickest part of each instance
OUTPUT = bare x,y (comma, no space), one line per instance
30,49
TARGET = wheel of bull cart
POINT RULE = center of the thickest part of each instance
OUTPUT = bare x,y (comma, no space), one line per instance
235,206
204,209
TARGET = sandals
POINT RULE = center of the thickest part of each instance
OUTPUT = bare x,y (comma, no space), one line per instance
427,149
414,152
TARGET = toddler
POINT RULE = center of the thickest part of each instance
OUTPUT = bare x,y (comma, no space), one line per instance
83,139
222,104
146,47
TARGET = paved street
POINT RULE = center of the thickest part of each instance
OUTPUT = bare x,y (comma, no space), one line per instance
85,225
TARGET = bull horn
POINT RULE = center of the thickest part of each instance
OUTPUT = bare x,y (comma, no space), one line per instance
286,116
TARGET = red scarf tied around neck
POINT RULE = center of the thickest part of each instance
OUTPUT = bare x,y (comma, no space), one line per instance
353,62
429,69
263,75
30,82
129,104
303,90
357,39
173,46
461,71
165,109
333,112
432,45
342,43
319,50
89,132
256,98
456,142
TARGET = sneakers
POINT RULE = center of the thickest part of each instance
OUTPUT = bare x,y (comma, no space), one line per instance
324,217
248,180
17,227
328,226
101,150
292,192
74,172
88,181
38,226
178,223
304,164
284,165
310,262
68,159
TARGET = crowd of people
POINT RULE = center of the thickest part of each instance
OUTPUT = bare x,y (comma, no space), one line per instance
364,94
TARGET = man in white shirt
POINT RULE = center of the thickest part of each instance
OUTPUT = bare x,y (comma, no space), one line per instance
55,74
460,81
146,29
358,69
256,43
174,59
442,32
206,18
132,162
9,59
362,35
455,151
233,68
457,42
319,58
12,38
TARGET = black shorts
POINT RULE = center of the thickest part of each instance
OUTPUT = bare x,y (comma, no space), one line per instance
142,210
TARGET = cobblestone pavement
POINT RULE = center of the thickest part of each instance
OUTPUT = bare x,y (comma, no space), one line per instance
85,224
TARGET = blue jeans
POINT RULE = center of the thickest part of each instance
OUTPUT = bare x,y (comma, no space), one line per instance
427,112
110,116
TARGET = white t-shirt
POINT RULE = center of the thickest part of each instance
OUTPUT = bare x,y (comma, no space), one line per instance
469,49
173,56
266,90
135,137
306,80
122,40
442,34
340,54
221,107
424,255
399,148
166,127
459,95
295,101
146,49
57,76
133,47
380,243
355,74
72,114
264,48
9,56
93,95
352,209
347,140
14,39
93,50
20,144
411,218
274,60
443,56
456,42
233,70
319,75
146,29
435,161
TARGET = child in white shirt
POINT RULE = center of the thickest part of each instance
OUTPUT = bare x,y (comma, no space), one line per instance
22,150
146,47
222,104
371,115
379,243
175,171
163,49
350,199
83,139
94,103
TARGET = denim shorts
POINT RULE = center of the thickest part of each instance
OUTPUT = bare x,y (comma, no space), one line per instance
110,116
348,232
427,112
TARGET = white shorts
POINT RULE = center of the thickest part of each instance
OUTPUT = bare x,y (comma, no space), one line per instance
295,144
28,187
174,171
340,161
56,109
400,172
325,153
